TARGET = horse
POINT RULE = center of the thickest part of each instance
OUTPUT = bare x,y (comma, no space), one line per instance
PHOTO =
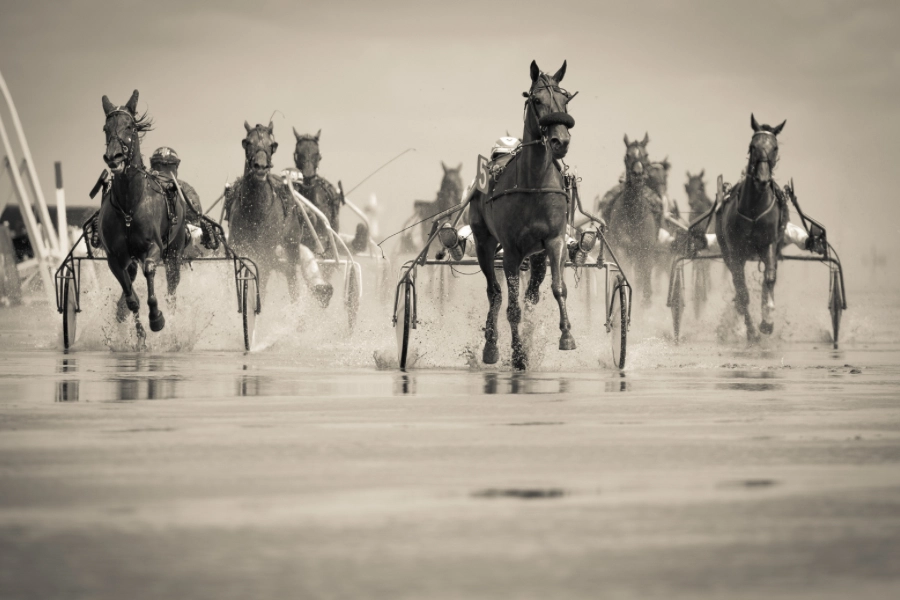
263,217
137,222
634,216
315,188
698,201
526,213
448,196
750,224
699,204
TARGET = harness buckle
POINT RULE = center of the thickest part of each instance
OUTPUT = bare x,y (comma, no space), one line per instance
128,219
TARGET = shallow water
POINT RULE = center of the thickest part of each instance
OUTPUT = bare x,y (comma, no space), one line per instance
311,467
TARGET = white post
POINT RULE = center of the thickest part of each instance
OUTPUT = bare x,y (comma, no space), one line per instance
32,174
62,219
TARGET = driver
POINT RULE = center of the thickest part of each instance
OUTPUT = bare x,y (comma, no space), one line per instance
164,162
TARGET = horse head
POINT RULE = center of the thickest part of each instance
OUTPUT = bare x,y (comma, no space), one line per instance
658,174
637,163
259,146
123,129
696,191
546,110
451,186
763,151
306,154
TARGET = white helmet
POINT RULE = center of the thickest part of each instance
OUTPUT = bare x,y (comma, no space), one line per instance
504,145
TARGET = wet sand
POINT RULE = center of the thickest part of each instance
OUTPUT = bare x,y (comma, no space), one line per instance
223,475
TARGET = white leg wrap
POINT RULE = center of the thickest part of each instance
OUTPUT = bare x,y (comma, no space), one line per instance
796,235
712,242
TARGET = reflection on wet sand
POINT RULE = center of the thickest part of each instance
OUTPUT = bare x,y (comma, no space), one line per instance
67,389
748,386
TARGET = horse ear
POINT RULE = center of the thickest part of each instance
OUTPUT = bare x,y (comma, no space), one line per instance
108,106
646,139
318,135
271,127
688,174
666,164
561,73
535,71
247,127
702,173
296,135
753,123
443,166
778,129
459,168
627,143
132,102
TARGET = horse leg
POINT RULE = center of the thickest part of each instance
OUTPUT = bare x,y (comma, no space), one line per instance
511,263
486,250
157,320
130,271
538,272
556,249
320,288
768,290
742,297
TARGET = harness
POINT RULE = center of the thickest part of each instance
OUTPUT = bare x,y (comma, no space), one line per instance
777,196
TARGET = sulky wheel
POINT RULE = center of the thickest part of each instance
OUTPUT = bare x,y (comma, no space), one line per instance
404,321
249,309
70,311
676,300
835,304
618,321
353,293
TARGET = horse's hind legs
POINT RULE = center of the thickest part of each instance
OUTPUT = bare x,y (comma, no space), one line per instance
768,290
556,250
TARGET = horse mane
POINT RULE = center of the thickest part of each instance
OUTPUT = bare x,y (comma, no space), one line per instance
306,137
143,124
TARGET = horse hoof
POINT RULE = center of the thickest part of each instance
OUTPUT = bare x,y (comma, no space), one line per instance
766,328
567,341
520,361
323,292
157,322
491,354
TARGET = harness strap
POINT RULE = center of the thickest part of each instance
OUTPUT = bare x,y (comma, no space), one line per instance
529,191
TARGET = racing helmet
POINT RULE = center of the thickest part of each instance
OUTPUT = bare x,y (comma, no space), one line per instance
164,156
504,145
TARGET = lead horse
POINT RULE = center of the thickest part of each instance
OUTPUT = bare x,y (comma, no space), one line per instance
749,226
526,213
137,222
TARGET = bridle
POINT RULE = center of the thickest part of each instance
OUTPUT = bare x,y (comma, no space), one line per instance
251,149
315,158
768,184
113,134
555,117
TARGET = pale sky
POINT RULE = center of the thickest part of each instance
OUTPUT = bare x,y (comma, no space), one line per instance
446,79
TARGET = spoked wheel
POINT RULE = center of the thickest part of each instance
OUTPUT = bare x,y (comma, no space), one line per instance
404,321
676,300
618,321
250,308
70,311
836,304
352,299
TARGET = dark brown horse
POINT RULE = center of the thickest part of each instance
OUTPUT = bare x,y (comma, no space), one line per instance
262,218
525,212
137,222
749,226
634,216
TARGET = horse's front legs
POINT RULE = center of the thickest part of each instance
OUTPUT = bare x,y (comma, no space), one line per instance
486,250
125,276
511,263
556,249
768,289
742,296
157,320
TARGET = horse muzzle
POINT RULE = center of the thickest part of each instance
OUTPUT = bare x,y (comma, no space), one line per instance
115,163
